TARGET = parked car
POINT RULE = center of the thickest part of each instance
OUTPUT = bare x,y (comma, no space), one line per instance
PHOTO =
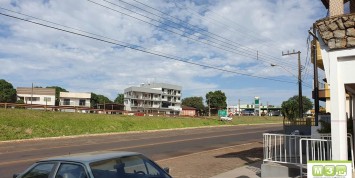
96,165
274,113
247,113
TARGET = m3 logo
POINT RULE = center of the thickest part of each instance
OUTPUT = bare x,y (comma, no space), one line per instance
329,170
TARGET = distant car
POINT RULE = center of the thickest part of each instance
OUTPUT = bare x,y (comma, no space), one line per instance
96,165
247,113
274,113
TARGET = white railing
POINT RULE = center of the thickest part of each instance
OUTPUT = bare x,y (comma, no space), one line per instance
320,150
282,148
298,149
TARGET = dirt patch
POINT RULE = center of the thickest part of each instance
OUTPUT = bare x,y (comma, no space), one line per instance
213,162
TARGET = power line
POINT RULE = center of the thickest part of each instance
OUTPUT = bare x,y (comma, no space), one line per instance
226,39
145,51
209,42
239,31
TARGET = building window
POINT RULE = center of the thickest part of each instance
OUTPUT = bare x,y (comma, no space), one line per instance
162,97
47,99
82,102
33,99
66,102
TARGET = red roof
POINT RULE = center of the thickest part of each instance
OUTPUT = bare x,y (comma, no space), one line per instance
187,108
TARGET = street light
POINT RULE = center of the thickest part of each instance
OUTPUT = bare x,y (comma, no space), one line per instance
300,103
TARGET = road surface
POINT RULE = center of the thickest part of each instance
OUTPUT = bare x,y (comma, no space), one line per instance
15,156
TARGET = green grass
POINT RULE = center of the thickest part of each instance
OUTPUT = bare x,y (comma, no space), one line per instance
24,124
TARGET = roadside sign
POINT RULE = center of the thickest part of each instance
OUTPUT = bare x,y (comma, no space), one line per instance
256,100
325,169
222,113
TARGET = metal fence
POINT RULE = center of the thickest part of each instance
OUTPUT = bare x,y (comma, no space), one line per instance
320,150
298,149
282,148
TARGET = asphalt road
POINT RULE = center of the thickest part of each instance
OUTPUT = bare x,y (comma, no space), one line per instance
17,155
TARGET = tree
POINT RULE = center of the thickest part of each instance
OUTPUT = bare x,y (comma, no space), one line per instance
290,108
119,99
98,99
196,102
57,93
216,100
7,92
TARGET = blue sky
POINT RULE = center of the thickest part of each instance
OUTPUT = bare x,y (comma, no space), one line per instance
241,36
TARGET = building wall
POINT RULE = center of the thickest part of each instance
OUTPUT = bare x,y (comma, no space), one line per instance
328,105
188,112
74,99
37,99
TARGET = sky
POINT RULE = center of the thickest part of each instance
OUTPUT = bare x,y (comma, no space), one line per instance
105,46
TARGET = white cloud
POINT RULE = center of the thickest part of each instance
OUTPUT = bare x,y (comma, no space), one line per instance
49,57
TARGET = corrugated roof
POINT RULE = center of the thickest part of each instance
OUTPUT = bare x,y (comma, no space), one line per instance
35,91
188,108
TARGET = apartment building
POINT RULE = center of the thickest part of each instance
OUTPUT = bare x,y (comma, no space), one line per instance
42,96
153,98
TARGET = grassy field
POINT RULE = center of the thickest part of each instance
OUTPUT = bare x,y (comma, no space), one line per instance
23,124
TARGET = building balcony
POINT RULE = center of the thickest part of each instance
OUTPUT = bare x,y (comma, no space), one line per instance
319,55
175,108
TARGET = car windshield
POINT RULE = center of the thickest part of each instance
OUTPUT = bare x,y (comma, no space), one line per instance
136,166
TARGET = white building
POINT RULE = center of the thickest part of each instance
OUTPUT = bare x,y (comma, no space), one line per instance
153,98
74,99
336,36
42,96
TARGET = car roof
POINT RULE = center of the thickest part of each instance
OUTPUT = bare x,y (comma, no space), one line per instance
91,156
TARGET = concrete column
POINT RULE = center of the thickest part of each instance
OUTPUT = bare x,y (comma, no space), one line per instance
336,7
352,101
338,113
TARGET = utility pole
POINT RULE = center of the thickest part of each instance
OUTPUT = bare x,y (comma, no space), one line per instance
300,105
31,95
315,75
239,107
209,108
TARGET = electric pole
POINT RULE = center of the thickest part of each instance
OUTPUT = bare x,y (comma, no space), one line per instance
239,107
300,105
315,75
209,108
31,95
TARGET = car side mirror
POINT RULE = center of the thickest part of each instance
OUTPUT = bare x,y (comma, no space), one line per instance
15,175
166,169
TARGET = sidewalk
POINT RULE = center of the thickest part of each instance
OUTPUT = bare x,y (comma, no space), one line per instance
249,171
238,161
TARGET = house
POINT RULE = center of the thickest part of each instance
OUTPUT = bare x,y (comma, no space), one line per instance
188,111
153,98
74,100
41,96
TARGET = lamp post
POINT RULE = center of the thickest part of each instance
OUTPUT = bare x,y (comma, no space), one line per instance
300,102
